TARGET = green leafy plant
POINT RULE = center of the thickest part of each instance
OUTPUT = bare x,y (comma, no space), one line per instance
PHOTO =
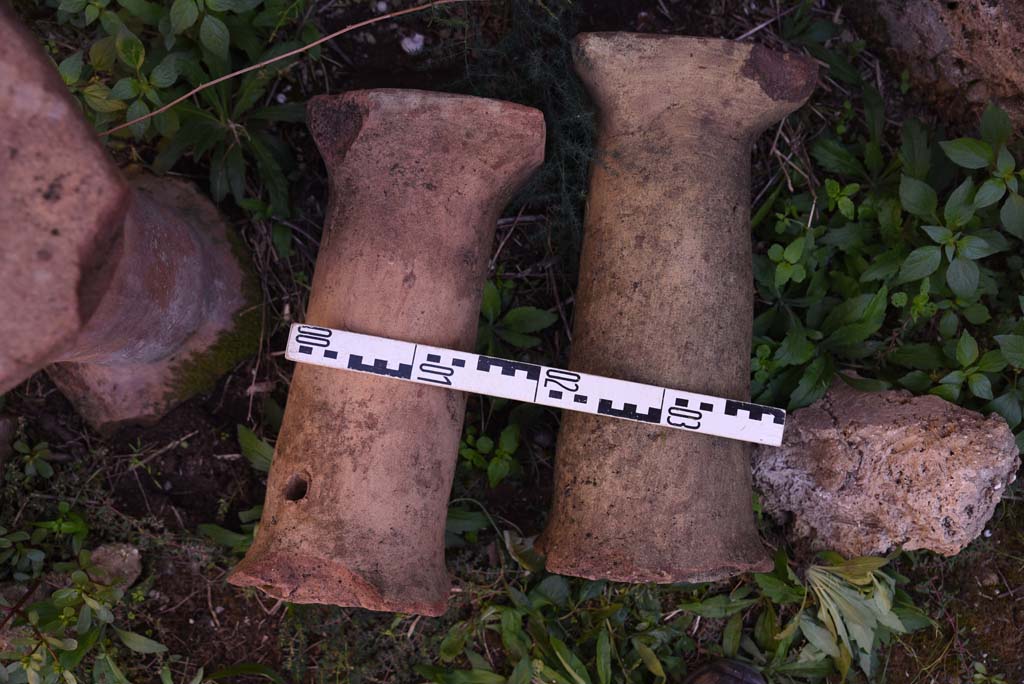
148,54
36,458
902,270
497,459
554,629
500,323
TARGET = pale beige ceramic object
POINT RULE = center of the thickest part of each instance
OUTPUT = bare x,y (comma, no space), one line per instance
358,491
666,297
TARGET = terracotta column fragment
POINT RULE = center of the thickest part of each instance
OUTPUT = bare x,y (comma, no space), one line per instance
127,290
358,491
666,297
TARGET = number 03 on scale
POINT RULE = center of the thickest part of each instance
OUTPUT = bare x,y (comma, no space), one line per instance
536,384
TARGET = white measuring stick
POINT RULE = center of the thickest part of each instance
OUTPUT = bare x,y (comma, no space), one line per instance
536,384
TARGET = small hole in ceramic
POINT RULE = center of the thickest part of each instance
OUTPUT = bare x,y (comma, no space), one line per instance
296,488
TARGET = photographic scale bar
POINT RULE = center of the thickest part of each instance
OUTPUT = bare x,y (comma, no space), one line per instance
533,383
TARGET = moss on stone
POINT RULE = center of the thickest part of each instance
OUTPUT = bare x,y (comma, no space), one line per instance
200,371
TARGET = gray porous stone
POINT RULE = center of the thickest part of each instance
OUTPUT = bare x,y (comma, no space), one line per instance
863,472
959,55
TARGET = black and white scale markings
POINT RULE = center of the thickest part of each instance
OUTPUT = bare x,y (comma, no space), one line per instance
536,384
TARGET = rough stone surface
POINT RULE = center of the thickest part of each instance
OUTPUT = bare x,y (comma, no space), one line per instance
358,492
118,563
665,297
961,54
862,473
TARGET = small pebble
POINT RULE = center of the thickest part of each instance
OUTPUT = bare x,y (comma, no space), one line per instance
281,99
380,7
413,44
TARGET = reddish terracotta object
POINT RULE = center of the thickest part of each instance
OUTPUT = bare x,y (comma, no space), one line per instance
358,491
127,290
666,297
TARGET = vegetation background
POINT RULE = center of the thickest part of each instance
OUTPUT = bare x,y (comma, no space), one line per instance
887,247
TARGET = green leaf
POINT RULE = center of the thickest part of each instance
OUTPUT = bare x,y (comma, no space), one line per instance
914,152
949,324
938,234
106,671
731,635
795,349
103,54
454,641
125,89
813,383
956,377
918,197
71,6
497,470
490,305
111,23
1005,163
71,68
835,157
1008,406
980,385
527,319
996,128
973,247
97,96
962,277
553,589
183,15
966,350
604,658
139,643
650,659
921,263
717,606
258,452
778,591
794,250
522,673
969,153
129,49
916,381
214,36
1012,215
820,637
882,267
149,12
570,663
517,339
959,207
509,439
990,192
1012,347
992,362
225,537
137,110
165,73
